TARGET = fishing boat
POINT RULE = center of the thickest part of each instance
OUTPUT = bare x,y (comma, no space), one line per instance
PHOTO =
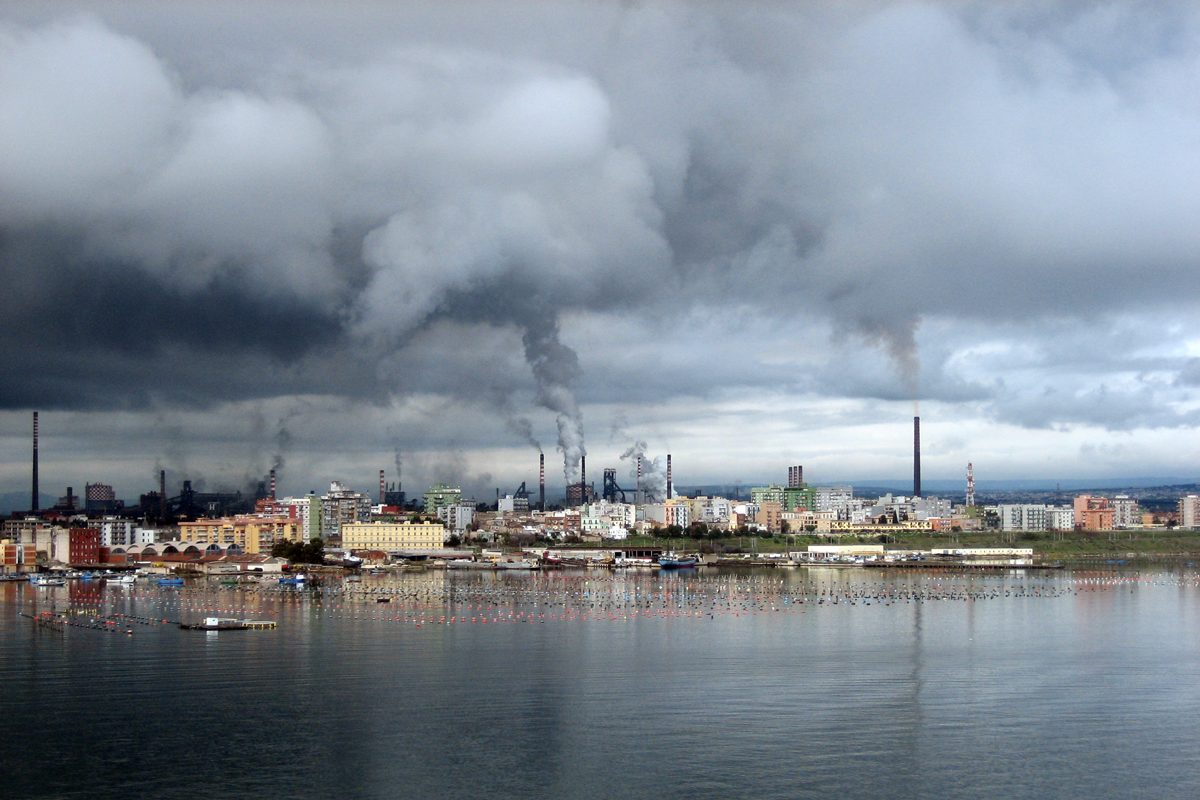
678,562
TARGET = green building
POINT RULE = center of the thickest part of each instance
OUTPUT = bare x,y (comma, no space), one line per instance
790,498
440,495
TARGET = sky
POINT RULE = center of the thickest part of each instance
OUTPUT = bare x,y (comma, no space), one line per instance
340,237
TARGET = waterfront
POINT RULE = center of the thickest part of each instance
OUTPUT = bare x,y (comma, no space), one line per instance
753,683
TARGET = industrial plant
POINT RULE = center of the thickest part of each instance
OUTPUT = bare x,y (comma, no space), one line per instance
254,521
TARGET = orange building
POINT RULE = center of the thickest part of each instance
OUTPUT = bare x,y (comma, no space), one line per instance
251,534
1094,513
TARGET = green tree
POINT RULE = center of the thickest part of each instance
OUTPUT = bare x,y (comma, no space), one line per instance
311,552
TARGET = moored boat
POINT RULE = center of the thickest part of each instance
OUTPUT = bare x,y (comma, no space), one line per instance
678,562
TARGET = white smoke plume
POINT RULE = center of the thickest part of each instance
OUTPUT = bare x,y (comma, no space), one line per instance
653,481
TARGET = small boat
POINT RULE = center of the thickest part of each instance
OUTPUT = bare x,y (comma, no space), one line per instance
298,580
678,562
46,580
170,582
121,580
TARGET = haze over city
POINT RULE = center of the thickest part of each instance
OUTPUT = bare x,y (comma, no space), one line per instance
329,238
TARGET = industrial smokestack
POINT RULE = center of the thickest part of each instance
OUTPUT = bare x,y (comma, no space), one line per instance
382,488
582,479
162,494
272,494
35,461
668,476
916,456
542,480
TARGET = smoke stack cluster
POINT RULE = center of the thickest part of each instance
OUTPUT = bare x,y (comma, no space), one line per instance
916,456
272,494
668,476
542,480
35,461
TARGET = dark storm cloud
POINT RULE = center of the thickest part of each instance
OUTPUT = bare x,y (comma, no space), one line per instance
293,211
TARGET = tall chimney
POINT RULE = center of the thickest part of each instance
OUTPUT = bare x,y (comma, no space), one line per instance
162,494
35,461
916,456
382,487
668,476
637,492
542,480
583,479
272,495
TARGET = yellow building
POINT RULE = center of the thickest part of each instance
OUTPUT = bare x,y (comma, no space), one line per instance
393,536
251,534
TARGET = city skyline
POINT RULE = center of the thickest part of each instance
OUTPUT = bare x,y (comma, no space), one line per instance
243,236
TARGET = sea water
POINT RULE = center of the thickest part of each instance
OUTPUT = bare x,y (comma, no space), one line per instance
766,683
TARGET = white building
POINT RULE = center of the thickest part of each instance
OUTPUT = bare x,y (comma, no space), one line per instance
308,511
1126,513
1022,517
1189,512
839,499
115,532
457,517
1059,518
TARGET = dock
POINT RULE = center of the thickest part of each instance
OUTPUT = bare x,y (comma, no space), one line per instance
217,624
955,566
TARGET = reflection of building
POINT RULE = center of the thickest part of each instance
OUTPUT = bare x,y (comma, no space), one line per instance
393,536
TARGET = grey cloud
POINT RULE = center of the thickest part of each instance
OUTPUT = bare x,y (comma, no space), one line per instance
298,217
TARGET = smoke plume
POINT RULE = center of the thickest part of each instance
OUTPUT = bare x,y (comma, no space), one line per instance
554,367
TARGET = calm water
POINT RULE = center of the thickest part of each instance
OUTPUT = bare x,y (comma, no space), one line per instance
689,685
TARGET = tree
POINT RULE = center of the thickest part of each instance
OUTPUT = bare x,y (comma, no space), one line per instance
312,552
453,540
